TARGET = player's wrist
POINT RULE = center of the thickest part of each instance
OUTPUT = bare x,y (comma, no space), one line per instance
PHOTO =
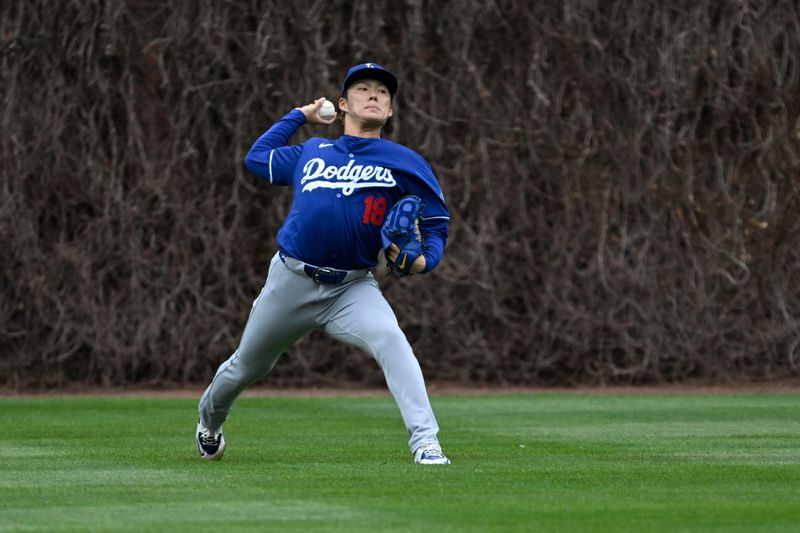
300,113
419,264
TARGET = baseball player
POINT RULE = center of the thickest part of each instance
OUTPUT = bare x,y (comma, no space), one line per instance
320,277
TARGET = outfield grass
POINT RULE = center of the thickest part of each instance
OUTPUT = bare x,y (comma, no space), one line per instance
521,462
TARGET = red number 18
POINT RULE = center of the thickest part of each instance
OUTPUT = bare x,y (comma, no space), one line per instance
374,211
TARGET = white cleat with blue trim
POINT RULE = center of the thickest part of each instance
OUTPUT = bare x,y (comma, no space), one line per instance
430,454
210,446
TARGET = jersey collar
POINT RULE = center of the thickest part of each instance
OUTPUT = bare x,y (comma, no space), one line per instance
352,142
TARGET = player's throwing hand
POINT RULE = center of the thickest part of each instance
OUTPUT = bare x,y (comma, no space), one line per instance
311,111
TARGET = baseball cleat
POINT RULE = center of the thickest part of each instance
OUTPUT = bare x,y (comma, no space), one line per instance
210,446
430,454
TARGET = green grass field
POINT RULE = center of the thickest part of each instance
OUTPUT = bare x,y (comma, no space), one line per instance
521,462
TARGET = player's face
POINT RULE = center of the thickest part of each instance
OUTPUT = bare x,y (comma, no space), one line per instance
368,101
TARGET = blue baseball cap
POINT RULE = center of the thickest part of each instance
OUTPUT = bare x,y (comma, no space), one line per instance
372,71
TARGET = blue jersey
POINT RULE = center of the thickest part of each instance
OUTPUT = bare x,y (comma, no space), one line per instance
343,189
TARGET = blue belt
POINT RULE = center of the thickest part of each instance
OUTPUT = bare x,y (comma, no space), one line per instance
326,276
323,275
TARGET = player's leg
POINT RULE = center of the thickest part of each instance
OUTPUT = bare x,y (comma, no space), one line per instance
280,315
362,317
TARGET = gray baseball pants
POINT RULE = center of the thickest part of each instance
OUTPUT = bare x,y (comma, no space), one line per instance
355,311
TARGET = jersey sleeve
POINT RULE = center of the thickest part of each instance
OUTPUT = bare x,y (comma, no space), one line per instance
427,187
434,237
435,216
269,158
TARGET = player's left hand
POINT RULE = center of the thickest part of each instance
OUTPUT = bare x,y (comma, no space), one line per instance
417,266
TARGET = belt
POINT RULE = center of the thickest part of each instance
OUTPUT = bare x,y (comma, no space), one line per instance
322,275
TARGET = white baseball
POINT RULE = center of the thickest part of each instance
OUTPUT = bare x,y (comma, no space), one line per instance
326,111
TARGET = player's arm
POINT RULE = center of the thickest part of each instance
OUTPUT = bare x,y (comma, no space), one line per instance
264,159
433,223
434,235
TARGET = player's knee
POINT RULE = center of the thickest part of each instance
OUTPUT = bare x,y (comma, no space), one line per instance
247,369
391,339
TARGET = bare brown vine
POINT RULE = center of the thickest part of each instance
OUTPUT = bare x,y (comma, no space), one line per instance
624,180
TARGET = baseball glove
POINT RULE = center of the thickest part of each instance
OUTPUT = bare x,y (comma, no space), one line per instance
402,228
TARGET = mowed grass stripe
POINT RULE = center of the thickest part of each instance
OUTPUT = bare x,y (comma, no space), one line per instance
521,462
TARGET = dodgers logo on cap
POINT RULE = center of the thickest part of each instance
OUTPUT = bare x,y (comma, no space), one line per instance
372,71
